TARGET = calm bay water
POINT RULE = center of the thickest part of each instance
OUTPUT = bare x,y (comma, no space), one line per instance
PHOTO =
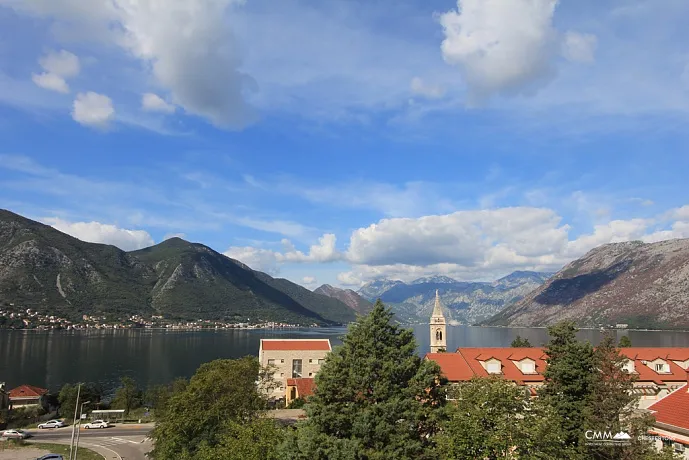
50,359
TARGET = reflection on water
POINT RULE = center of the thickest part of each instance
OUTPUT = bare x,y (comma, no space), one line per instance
50,359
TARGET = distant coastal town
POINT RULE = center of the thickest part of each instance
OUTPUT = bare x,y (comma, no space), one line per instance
14,317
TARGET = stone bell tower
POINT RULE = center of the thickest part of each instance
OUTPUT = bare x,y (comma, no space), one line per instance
438,332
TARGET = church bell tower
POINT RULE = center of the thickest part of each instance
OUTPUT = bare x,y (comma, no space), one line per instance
438,332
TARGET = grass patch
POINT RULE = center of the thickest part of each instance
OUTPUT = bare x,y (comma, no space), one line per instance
83,453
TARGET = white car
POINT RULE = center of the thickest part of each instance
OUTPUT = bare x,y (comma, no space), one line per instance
51,424
14,434
96,424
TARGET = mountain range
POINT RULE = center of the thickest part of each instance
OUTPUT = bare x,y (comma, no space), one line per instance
49,271
643,285
465,302
348,297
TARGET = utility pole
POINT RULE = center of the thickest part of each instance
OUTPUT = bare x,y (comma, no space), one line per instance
76,407
81,411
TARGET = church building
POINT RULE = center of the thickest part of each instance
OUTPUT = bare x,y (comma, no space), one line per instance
438,328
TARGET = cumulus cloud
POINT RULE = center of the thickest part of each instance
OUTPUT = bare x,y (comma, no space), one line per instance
430,91
500,45
93,109
579,47
96,232
51,81
58,66
268,260
153,103
309,282
188,45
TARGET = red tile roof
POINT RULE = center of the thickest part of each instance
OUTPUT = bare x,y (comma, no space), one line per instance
305,386
465,363
27,391
673,409
296,344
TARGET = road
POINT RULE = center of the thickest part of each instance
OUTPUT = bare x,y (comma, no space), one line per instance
127,442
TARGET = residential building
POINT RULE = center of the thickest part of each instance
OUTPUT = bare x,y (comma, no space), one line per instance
291,359
438,327
299,388
658,371
26,395
671,426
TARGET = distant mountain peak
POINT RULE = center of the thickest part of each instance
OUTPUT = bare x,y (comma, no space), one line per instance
346,296
437,279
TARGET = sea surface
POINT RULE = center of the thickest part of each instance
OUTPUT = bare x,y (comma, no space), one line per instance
52,358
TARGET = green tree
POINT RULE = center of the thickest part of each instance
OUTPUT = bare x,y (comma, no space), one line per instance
128,396
625,342
569,378
158,396
375,398
255,440
220,392
67,397
520,342
492,418
611,407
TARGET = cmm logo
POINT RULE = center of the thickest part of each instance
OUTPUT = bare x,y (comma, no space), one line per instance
593,435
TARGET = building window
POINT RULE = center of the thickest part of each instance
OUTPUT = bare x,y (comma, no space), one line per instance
494,368
296,368
528,368
679,447
271,362
321,361
310,361
660,367
282,361
310,374
282,374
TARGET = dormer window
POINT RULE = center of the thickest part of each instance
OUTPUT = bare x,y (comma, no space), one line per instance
494,367
629,366
660,368
528,367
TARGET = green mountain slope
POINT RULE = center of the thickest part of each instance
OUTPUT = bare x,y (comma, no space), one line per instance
47,270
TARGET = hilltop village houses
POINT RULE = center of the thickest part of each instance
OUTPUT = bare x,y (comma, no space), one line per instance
662,381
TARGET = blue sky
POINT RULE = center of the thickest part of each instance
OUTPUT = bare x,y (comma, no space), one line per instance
341,141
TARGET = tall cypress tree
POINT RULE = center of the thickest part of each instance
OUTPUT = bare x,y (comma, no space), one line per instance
375,398
569,377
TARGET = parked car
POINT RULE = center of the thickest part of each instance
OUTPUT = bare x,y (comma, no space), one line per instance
14,434
52,457
51,424
96,424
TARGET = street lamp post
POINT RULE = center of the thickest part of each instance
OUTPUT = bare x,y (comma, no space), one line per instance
76,405
81,411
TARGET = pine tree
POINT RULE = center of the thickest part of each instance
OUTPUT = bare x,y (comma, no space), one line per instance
374,398
625,342
569,378
520,342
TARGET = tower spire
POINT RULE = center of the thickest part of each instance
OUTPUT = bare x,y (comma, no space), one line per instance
438,327
437,309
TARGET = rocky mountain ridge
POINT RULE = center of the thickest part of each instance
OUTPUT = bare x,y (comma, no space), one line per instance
46,270
346,296
643,285
465,302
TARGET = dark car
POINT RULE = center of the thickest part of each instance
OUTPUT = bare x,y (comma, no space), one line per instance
51,457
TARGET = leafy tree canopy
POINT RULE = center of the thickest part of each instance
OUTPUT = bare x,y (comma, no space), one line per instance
374,398
520,342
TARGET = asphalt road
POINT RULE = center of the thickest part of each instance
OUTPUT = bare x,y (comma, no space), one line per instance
114,443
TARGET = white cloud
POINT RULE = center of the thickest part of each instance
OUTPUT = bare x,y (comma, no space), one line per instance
63,63
58,67
309,282
421,88
154,103
268,260
95,232
263,260
188,45
500,45
93,109
579,47
51,82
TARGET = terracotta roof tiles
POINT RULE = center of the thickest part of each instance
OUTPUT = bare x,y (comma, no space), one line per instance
673,409
296,344
27,391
